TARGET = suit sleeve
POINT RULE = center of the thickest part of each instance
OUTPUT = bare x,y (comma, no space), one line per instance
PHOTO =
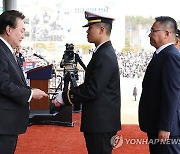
170,86
94,83
78,59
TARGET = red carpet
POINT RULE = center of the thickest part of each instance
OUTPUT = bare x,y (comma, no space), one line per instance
51,139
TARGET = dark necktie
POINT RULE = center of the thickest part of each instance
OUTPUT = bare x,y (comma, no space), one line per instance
154,54
93,54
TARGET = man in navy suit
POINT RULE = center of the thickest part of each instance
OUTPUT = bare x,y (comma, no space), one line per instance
159,106
15,95
100,92
177,43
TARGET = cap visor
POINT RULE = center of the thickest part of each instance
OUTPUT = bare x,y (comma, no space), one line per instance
87,25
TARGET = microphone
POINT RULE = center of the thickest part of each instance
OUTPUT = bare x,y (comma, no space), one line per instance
39,56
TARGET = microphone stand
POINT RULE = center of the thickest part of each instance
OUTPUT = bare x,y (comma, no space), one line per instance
40,57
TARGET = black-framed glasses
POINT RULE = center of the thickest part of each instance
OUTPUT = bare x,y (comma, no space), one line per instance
155,30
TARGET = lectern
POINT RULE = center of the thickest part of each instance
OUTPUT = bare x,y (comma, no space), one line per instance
40,109
39,78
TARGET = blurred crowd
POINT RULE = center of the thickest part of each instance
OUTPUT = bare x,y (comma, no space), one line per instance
133,64
28,54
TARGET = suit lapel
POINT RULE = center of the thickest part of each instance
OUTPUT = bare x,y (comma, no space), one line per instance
16,65
13,61
157,59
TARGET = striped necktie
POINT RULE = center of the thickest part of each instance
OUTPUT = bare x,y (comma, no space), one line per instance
15,57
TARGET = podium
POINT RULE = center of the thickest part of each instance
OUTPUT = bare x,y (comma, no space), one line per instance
40,109
39,78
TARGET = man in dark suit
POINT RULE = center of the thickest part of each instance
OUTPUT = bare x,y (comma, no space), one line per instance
100,92
20,58
177,43
159,106
14,92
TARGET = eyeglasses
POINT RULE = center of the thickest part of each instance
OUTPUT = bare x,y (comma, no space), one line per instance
155,30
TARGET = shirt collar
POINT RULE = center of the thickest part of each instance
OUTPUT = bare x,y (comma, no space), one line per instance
99,46
8,45
162,47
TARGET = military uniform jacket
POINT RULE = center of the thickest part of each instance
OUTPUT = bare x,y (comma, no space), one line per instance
159,107
14,94
100,92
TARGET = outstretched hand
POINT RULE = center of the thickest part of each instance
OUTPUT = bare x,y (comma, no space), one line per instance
38,94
